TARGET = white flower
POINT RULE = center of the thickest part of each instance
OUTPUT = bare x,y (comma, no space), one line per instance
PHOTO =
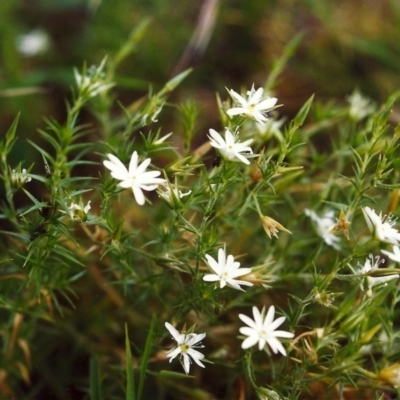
229,148
371,267
136,177
254,106
324,226
360,106
186,345
271,128
395,256
78,212
381,226
35,42
171,194
226,270
262,330
20,177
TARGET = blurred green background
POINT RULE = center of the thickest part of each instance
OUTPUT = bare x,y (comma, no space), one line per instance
346,45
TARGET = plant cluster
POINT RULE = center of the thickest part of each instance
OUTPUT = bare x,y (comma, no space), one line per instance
138,235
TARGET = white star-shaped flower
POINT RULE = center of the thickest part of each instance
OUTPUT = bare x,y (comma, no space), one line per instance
371,267
229,148
171,193
186,345
324,226
262,330
226,270
136,177
254,106
381,226
78,212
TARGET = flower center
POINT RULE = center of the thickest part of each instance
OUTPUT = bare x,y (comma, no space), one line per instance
263,334
184,347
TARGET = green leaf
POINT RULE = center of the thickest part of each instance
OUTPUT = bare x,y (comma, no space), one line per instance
95,380
302,114
10,135
130,379
174,82
146,356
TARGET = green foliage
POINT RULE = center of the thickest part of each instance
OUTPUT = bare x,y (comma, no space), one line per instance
89,276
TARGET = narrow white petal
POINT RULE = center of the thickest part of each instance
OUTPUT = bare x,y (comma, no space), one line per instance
213,264
284,334
245,330
261,343
211,278
133,163
239,272
266,103
196,355
185,363
276,346
173,353
139,196
256,97
273,325
242,158
235,283
221,258
257,317
236,111
215,136
175,334
247,320
249,342
198,362
147,187
142,167
115,160
270,316
238,98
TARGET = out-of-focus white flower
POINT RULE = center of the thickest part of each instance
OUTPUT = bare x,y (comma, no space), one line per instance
186,345
91,82
395,256
226,270
229,148
324,226
171,194
78,212
271,128
381,227
360,107
136,178
20,178
33,43
371,267
254,106
262,330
